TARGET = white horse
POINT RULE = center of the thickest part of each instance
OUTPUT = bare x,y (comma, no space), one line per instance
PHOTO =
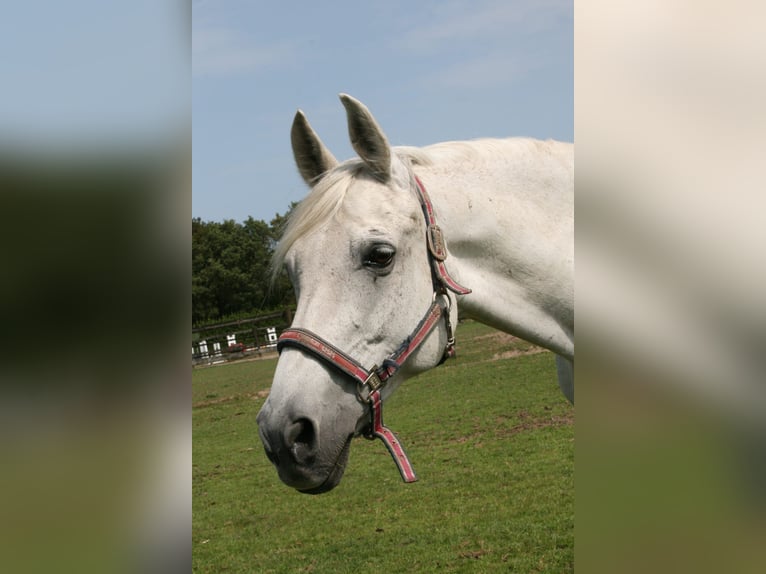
356,251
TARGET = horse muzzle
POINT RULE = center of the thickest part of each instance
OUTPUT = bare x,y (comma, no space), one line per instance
294,449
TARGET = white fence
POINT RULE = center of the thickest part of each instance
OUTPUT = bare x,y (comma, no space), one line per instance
210,352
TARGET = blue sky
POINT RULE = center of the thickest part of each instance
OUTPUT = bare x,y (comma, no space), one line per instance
428,70
85,71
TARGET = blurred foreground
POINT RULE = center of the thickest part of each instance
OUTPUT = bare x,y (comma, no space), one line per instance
671,297
95,197
95,440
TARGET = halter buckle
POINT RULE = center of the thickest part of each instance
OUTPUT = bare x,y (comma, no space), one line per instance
373,380
436,243
372,383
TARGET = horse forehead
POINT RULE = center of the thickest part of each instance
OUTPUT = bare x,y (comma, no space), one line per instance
315,248
368,210
370,204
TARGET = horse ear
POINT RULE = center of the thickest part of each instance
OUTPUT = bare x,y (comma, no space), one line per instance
367,139
312,157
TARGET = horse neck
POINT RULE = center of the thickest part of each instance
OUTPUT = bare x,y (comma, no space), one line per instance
508,221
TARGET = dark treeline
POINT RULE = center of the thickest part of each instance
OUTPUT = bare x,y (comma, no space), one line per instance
231,273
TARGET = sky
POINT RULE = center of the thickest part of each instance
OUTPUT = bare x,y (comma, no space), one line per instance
429,71
85,71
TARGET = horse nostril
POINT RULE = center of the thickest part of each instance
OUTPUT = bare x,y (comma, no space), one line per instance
306,435
302,441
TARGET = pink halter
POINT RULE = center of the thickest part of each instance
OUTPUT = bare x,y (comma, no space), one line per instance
370,381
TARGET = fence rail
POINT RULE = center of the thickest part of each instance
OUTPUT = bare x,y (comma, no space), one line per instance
228,341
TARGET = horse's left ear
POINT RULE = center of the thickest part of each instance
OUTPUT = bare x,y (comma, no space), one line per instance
367,139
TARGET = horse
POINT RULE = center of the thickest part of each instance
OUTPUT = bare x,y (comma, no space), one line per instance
382,253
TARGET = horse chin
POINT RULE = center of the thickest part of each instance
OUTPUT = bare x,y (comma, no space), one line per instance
336,472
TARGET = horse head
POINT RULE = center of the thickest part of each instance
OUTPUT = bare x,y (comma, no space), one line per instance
356,252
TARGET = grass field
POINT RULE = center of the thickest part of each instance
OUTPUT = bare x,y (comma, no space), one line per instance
489,434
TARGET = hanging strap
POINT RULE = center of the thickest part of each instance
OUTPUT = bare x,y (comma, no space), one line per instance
395,448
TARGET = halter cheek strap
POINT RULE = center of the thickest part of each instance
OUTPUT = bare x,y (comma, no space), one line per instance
369,382
437,247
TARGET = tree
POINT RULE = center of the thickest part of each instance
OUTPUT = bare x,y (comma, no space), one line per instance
231,268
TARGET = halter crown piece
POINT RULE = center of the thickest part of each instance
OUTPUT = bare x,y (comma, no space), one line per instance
370,381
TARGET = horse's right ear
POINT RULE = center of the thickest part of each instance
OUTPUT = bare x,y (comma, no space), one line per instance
311,156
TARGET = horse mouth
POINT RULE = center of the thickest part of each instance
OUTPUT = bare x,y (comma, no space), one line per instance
336,472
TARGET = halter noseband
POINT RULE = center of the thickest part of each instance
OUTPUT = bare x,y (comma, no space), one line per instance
369,382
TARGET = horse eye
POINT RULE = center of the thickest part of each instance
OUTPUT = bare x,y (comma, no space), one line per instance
380,257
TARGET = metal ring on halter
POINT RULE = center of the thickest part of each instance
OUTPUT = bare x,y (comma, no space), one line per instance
442,291
448,309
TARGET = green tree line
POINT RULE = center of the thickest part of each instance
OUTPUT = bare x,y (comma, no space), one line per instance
231,273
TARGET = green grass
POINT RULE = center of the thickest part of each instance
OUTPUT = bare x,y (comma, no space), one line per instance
492,441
